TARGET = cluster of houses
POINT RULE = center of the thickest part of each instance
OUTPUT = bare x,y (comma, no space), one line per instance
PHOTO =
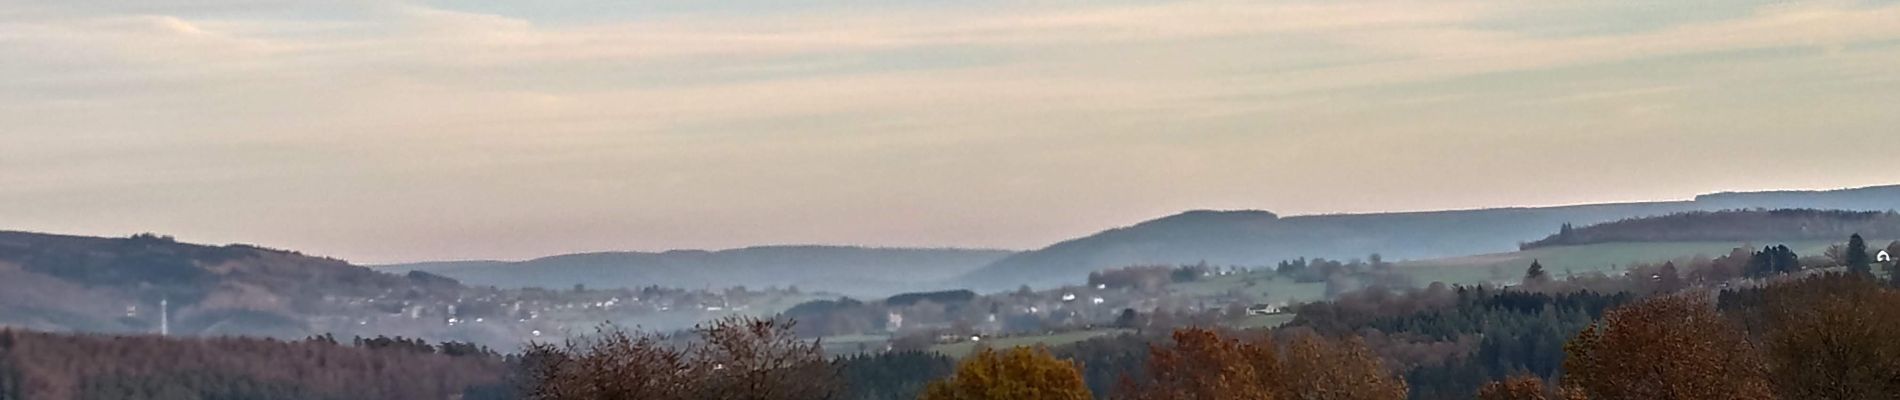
503,317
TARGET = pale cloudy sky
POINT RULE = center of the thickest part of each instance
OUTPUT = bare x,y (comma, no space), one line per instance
382,131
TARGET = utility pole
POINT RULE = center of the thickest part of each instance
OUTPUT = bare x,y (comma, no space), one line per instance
164,316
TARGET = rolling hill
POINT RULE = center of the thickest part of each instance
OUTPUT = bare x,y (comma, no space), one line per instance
74,283
857,271
1255,238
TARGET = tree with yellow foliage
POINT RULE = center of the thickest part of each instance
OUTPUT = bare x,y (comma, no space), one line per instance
1017,374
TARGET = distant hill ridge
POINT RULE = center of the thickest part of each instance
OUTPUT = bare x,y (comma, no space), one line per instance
863,271
1731,225
1257,238
1874,198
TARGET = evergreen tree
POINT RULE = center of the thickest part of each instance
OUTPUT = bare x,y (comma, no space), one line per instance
1773,260
1128,319
1536,273
1668,278
897,375
1786,261
1858,261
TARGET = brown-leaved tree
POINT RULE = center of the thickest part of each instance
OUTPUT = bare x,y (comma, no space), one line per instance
1201,364
733,358
1666,348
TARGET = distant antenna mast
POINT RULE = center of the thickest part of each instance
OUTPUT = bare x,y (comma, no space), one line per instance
164,316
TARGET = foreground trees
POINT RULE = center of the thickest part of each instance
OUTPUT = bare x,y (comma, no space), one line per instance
1666,348
1017,374
1833,337
739,358
1204,365
39,365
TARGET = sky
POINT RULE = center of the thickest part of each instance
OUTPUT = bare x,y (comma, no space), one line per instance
392,131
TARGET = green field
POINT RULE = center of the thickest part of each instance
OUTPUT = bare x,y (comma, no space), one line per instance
960,350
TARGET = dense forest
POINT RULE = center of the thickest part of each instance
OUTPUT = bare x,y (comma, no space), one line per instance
1731,226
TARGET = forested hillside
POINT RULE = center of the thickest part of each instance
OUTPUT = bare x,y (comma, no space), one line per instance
1733,226
55,282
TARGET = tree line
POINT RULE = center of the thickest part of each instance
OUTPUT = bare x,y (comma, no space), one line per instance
38,365
1730,226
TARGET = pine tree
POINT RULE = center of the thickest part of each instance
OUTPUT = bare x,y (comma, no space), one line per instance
1786,261
1536,273
1773,260
1669,279
1857,260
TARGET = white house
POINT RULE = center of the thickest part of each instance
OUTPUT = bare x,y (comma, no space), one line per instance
1266,309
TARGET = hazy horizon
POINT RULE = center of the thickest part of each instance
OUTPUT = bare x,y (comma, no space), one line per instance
794,243
388,131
